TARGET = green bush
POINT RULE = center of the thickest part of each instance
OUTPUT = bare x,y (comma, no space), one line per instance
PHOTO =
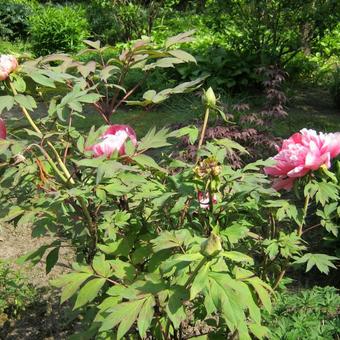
13,19
215,57
55,29
309,314
330,44
113,22
15,292
226,69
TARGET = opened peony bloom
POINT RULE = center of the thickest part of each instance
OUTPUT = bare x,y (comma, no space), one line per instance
8,64
113,139
303,152
3,132
204,200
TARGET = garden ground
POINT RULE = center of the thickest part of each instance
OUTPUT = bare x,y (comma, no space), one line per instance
307,107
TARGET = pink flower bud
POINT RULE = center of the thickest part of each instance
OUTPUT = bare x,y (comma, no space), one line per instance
8,64
204,201
211,246
3,132
113,139
3,74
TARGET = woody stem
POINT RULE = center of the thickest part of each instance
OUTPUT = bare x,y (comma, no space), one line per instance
204,128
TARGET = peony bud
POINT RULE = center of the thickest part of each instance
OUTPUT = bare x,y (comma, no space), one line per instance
204,201
8,64
209,167
3,132
19,158
209,98
211,246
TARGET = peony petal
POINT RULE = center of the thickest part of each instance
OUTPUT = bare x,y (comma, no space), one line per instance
113,139
298,171
113,129
3,131
313,161
334,144
286,183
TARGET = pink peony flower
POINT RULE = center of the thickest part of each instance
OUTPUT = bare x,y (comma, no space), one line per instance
8,64
3,132
203,199
113,139
303,152
3,74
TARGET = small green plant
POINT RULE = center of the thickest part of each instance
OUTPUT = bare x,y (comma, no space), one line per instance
55,29
308,314
115,80
15,291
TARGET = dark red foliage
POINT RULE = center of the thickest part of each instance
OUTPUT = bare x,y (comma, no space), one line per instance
258,144
251,129
273,78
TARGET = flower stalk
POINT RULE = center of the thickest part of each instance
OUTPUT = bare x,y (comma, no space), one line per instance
204,128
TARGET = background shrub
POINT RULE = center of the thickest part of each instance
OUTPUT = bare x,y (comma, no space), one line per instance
226,69
116,21
14,19
55,29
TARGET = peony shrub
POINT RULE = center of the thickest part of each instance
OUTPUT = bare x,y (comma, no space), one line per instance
172,245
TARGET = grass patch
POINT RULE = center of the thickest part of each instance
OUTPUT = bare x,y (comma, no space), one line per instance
297,120
308,108
311,108
178,109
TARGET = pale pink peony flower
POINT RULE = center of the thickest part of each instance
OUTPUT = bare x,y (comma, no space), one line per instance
204,200
3,74
113,139
8,64
3,132
303,152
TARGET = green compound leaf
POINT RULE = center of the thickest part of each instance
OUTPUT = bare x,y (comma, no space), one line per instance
89,292
146,315
322,261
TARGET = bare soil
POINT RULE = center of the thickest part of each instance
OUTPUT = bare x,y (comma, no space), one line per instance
44,319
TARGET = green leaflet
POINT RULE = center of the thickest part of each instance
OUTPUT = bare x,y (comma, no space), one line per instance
89,292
